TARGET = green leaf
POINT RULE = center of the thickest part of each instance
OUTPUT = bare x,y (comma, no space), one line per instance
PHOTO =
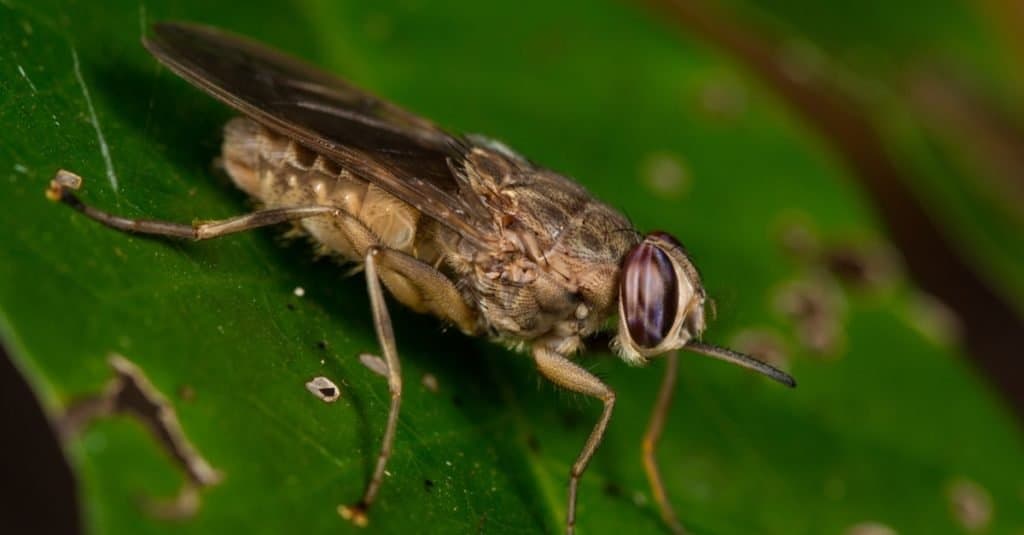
602,92
942,85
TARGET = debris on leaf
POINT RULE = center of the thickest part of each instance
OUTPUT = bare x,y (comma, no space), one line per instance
971,504
324,389
429,381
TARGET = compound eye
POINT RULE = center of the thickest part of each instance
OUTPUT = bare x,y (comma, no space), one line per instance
649,293
666,237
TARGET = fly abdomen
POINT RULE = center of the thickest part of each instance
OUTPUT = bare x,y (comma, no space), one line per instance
280,172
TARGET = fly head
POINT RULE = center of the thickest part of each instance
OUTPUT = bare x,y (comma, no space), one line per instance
661,300
661,308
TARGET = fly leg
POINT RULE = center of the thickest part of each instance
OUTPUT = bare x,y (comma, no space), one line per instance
64,183
386,338
567,374
650,442
362,239
424,289
413,282
62,186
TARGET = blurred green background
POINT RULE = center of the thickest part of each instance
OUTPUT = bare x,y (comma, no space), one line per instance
848,178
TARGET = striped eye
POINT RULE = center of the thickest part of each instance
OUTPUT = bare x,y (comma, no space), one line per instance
649,295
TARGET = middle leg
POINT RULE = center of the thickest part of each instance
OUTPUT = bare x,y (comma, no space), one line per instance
386,338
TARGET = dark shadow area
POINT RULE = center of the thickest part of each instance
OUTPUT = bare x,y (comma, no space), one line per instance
39,490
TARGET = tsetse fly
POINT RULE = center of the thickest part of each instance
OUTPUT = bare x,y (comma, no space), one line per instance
460,227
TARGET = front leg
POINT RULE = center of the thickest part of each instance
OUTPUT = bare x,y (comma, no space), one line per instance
650,443
568,374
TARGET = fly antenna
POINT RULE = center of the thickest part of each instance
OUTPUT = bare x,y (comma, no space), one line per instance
743,360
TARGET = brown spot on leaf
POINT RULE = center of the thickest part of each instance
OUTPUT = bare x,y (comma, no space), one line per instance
862,265
858,262
816,308
666,175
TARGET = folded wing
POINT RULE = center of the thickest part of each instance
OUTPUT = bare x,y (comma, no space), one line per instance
406,155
